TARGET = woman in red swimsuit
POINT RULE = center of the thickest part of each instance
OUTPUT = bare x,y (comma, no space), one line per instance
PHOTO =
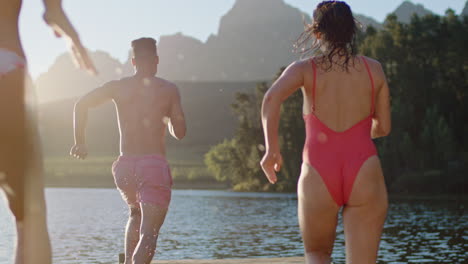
346,104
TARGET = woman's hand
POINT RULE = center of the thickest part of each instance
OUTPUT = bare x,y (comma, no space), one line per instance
271,164
59,22
290,81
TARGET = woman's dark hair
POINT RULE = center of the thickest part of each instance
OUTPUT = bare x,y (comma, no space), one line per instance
335,22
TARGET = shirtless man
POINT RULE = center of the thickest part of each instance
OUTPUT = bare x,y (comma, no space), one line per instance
21,174
145,105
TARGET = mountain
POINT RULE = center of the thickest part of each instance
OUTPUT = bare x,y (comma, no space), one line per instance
255,38
368,21
64,80
407,9
250,45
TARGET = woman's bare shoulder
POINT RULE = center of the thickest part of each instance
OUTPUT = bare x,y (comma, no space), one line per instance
373,63
300,65
376,68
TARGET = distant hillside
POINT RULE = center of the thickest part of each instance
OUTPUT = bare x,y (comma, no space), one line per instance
207,107
407,9
64,80
249,46
255,38
368,21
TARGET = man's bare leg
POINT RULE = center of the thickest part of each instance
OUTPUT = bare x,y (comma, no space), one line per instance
152,219
132,233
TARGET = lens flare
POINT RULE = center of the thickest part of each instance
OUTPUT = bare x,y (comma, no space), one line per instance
261,147
322,137
146,81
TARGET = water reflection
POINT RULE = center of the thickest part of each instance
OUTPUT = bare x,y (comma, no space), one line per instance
87,226
426,232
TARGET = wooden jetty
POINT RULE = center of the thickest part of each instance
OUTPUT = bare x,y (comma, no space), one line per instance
296,260
291,260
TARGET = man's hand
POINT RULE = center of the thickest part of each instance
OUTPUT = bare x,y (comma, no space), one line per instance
79,151
58,21
271,164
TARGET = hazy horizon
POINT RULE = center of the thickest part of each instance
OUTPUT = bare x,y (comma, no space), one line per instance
178,16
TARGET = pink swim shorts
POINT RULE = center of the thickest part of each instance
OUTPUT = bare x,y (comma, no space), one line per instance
143,179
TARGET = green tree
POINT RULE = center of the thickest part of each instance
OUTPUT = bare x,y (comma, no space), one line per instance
237,160
426,66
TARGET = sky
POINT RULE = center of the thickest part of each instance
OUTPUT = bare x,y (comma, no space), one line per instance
110,25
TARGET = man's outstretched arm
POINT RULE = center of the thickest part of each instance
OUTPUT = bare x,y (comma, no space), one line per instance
80,116
177,126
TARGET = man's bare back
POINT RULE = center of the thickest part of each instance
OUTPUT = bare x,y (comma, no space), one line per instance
144,107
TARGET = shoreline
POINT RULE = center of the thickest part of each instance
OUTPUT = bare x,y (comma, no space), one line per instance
176,186
224,187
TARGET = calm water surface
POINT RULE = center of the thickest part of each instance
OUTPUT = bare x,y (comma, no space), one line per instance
87,226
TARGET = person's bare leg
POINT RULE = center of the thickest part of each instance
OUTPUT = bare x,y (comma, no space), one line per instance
132,233
152,218
318,216
20,160
12,154
37,248
19,259
365,214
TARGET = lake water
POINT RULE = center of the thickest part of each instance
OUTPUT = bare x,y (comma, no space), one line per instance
87,226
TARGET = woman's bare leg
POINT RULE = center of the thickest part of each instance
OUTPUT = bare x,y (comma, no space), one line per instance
318,216
37,248
19,233
20,160
152,218
365,214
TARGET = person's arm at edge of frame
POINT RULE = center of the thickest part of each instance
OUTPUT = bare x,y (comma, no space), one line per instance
381,121
80,116
290,81
176,125
55,17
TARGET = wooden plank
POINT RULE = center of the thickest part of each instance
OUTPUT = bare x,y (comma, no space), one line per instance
293,260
